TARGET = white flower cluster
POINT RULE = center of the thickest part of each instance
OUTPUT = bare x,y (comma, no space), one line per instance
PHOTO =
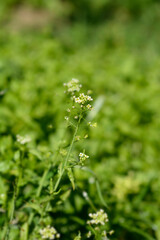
23,140
82,158
99,217
49,233
73,85
82,99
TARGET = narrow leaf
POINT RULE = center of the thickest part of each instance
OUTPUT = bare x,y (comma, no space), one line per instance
100,194
71,177
24,232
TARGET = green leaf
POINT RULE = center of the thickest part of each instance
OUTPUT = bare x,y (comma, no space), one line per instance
36,153
71,177
65,195
35,207
100,194
60,169
51,189
24,232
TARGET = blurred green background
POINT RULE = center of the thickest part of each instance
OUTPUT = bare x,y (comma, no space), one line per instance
113,48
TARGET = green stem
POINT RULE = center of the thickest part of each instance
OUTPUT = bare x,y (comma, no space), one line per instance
59,179
68,155
20,171
39,190
62,172
42,182
15,194
91,203
6,237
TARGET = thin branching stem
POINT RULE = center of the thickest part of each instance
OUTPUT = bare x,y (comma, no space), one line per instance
68,155
41,183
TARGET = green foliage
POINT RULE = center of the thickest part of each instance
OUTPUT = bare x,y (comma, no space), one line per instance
88,11
40,183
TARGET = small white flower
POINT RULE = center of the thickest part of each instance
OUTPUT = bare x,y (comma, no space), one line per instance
89,234
104,233
91,180
89,106
49,233
98,218
23,140
82,99
94,125
82,158
2,195
86,136
73,85
77,138
85,194
111,232
57,235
